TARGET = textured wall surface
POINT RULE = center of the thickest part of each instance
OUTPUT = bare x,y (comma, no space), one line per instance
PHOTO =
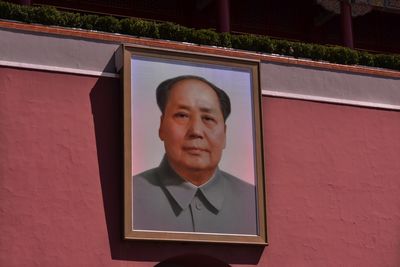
51,203
333,184
332,180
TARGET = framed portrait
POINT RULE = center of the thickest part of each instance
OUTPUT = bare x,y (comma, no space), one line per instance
193,153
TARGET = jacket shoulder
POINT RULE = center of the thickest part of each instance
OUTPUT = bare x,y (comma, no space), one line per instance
235,180
149,177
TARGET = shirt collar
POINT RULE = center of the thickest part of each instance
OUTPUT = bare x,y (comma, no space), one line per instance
213,191
183,191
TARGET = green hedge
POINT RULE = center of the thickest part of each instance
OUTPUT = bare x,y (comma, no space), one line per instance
170,31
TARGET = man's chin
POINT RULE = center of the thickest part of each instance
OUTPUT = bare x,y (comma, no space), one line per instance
197,166
196,162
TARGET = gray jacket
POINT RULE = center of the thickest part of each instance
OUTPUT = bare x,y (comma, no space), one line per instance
164,201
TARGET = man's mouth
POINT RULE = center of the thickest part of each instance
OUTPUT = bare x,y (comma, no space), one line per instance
194,149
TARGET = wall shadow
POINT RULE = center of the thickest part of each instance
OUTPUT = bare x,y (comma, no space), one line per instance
106,104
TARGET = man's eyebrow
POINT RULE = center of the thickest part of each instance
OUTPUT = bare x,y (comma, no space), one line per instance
202,109
181,106
207,110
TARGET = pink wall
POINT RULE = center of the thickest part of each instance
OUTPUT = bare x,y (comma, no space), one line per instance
332,181
333,184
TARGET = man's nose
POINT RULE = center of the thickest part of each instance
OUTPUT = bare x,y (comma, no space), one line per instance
195,128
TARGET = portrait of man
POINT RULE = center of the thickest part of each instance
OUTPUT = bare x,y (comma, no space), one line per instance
188,192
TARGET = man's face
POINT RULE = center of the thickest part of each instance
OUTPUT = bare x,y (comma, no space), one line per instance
193,129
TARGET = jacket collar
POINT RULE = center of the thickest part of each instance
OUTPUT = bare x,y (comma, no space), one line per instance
183,191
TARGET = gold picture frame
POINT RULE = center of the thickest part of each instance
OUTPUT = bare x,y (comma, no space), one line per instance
144,69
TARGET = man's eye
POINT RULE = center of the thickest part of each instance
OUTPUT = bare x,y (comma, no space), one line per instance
181,115
208,119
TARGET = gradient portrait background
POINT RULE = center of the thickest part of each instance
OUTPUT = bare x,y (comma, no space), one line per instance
147,149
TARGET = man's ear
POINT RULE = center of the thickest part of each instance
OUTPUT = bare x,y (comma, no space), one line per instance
160,130
225,136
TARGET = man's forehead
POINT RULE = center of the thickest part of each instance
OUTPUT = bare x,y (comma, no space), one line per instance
191,82
203,97
191,88
195,85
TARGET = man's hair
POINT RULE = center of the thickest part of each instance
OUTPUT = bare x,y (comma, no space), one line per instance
164,88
